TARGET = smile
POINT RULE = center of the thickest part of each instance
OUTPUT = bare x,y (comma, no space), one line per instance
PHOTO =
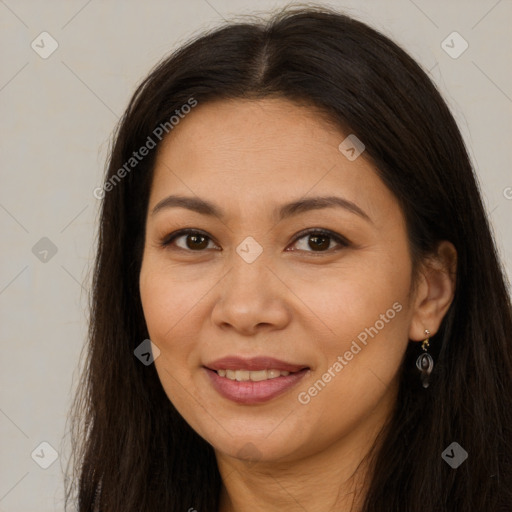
253,387
255,376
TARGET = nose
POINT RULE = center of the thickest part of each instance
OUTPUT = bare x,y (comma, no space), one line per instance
251,298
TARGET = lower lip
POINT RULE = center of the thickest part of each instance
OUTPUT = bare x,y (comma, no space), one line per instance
249,392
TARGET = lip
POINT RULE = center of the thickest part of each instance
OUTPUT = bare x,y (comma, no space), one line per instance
254,364
249,392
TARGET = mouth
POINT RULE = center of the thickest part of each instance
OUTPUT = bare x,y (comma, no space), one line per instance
253,375
251,387
253,364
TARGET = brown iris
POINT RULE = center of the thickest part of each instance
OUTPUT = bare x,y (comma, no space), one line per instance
196,243
319,245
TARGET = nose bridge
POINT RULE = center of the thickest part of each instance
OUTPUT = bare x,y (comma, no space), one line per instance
249,273
249,294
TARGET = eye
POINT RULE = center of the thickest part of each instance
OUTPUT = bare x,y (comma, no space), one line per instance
196,241
319,240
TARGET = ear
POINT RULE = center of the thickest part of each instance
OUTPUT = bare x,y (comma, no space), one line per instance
434,292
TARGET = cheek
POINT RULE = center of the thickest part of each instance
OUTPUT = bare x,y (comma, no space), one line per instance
363,309
169,311
344,300
168,301
360,365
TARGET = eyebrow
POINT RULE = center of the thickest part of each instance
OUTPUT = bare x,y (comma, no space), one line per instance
281,212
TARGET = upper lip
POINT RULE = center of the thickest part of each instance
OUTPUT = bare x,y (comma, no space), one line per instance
254,364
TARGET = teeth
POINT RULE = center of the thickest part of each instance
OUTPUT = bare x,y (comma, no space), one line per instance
245,375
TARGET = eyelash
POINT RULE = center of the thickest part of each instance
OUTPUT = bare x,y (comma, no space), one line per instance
343,242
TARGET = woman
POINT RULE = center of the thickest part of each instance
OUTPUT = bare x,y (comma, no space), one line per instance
297,302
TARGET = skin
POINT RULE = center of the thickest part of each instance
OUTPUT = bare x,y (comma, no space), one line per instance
295,302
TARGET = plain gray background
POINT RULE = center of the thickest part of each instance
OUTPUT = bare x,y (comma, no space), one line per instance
57,115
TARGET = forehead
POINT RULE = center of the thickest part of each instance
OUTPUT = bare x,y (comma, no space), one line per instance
255,151
273,125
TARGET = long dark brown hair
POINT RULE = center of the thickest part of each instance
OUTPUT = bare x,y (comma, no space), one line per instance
126,432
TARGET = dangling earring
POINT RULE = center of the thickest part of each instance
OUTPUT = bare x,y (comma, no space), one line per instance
425,363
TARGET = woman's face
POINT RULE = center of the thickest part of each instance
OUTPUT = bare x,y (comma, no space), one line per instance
252,284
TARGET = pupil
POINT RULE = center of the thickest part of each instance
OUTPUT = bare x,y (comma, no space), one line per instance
195,239
315,239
